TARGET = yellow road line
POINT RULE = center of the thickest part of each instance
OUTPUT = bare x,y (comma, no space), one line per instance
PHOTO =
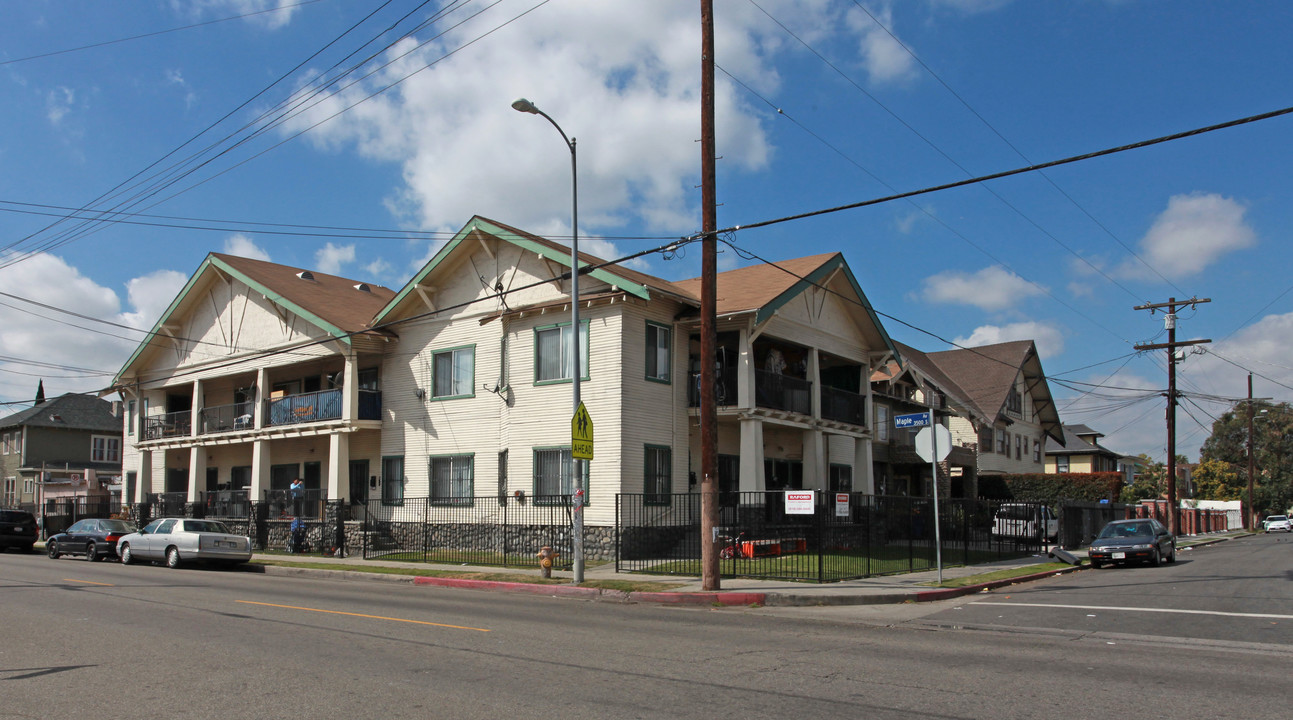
361,615
87,582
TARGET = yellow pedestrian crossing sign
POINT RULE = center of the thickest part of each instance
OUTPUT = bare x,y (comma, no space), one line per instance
581,434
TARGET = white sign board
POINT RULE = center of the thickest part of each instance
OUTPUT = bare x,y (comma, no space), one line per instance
800,502
841,504
924,439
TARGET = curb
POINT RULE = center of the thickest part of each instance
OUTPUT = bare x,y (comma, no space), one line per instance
599,594
946,593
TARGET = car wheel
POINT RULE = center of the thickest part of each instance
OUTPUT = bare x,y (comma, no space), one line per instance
1172,557
1097,564
127,557
51,548
172,558
91,552
1156,559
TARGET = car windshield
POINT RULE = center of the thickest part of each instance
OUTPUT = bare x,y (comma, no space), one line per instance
210,526
1117,530
1276,518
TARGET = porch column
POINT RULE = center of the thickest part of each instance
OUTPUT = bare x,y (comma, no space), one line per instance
815,377
752,456
339,462
815,476
863,467
260,461
258,408
195,415
745,381
144,482
350,389
197,471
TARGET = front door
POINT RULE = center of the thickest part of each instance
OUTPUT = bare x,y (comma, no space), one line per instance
358,482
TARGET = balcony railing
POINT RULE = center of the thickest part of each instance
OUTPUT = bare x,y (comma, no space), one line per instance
370,405
175,424
303,408
782,392
724,389
227,418
843,406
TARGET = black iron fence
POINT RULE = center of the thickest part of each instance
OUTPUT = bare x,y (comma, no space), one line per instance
845,536
58,514
491,530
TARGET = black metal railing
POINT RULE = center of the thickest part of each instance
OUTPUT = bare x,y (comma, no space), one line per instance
58,513
370,405
227,418
782,392
168,504
843,406
855,537
724,389
487,530
221,504
168,425
303,408
310,504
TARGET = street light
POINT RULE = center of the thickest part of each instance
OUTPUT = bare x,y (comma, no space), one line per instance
525,106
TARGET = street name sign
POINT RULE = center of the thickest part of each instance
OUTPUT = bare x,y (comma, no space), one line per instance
912,420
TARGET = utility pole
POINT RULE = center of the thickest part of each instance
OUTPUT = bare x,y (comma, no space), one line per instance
1169,321
1248,511
708,321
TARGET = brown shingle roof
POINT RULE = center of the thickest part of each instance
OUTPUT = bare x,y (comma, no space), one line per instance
753,287
986,373
330,298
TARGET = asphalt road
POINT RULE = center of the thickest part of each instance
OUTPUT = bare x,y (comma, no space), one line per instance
80,638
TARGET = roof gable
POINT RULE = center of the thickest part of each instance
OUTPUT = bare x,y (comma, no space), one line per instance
986,374
70,412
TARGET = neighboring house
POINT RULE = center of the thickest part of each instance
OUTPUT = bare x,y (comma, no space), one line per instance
68,447
459,384
1010,412
909,384
256,374
1081,453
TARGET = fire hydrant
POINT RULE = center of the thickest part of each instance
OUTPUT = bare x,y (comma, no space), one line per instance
546,557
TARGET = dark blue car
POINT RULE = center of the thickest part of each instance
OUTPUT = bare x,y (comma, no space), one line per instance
93,538
1127,541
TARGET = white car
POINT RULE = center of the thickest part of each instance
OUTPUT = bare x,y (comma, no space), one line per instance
179,540
1025,521
1277,523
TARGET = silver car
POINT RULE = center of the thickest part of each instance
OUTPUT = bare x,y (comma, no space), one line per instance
179,540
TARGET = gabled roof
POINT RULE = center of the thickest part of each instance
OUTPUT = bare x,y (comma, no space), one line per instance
70,412
334,304
1075,443
631,281
986,373
763,289
922,364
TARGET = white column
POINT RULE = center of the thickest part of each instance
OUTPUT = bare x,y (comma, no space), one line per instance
197,471
813,371
262,392
745,377
752,456
350,389
260,461
195,414
863,467
815,476
144,482
339,465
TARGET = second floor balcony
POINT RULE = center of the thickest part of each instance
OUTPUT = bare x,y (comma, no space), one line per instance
319,406
775,391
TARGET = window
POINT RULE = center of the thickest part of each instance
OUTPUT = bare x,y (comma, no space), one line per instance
1019,447
657,481
1014,401
1037,451
841,478
452,480
130,417
1061,463
882,423
1003,442
28,487
552,358
553,477
393,480
368,379
453,373
502,477
10,492
105,448
658,344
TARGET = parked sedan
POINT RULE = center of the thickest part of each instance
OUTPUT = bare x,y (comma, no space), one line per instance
1277,523
17,529
95,539
1127,541
176,541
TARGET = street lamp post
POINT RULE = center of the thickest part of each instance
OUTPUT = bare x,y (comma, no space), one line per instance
525,106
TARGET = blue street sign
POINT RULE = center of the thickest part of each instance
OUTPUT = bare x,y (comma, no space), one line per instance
911,421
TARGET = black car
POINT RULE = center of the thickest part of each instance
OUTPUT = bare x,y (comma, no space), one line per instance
95,539
1128,541
18,530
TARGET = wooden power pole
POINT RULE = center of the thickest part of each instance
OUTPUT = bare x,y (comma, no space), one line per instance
708,321
1173,505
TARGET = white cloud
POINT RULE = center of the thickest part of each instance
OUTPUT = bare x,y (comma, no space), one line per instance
175,77
377,269
885,59
992,288
150,295
626,91
971,7
1049,339
243,246
330,258
225,8
58,103
1193,232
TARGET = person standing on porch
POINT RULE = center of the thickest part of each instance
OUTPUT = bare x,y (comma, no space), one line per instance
297,493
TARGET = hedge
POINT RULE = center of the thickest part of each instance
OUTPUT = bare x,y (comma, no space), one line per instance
1052,488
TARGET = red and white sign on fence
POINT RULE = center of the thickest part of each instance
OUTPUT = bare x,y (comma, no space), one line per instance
800,502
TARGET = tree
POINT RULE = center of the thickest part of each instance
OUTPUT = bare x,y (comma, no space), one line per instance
1219,480
1272,451
1148,485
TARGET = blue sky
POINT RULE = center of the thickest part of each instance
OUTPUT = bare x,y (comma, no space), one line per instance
820,103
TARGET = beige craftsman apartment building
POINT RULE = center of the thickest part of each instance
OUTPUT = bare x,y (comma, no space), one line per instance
458,385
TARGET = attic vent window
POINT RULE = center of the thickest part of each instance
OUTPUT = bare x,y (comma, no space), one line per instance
305,275
363,287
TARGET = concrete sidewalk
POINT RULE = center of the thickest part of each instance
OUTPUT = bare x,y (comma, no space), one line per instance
909,587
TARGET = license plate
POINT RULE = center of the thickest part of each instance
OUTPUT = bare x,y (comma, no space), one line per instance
1120,556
